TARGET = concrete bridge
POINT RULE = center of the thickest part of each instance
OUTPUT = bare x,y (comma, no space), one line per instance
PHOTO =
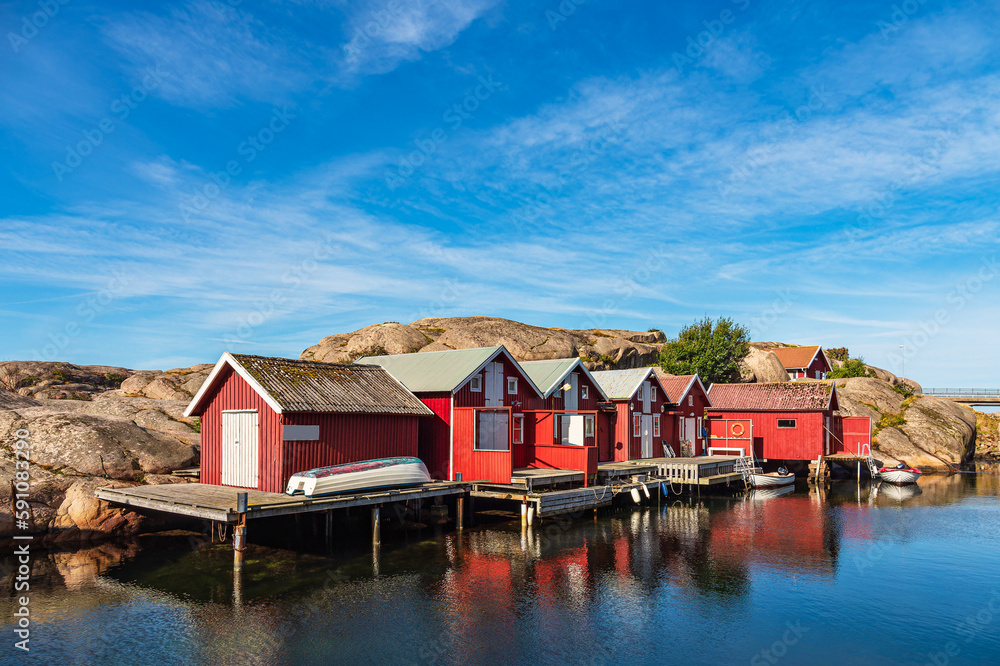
967,396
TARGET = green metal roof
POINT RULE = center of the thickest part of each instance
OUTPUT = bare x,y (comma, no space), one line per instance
433,371
550,374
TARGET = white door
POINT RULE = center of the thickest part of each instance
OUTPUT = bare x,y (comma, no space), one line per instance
493,386
826,445
690,430
572,423
646,390
239,448
647,436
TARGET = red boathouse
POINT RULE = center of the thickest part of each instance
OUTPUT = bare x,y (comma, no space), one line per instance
264,419
783,421
563,427
803,362
687,400
478,397
639,401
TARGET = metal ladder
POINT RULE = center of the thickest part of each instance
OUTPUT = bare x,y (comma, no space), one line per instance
870,461
746,466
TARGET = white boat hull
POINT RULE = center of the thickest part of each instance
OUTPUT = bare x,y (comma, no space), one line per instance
771,492
899,476
771,480
366,475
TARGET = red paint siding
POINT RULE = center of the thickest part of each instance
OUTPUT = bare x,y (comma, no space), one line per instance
344,438
234,393
477,465
605,434
557,400
685,410
563,456
623,441
525,394
804,442
435,435
855,434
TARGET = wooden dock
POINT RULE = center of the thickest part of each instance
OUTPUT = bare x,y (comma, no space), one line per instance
534,477
700,471
219,503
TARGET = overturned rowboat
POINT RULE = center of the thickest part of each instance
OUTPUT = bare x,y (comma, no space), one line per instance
357,476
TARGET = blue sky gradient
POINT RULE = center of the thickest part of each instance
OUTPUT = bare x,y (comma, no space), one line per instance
186,179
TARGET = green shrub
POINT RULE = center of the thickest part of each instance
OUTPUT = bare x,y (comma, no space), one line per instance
853,367
904,390
114,379
196,426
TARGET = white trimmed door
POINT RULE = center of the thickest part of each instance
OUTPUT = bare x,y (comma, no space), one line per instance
240,446
647,435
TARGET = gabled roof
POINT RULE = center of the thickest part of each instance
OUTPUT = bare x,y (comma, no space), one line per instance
797,358
551,374
678,386
288,385
439,371
622,384
780,397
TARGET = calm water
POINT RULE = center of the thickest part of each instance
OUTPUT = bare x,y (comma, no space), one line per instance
845,577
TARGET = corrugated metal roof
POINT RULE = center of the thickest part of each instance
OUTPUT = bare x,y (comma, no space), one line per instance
795,357
433,371
309,386
621,384
548,375
787,396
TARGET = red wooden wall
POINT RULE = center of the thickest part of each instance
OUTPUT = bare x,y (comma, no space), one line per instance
435,435
855,433
525,394
805,442
557,400
234,393
684,410
477,465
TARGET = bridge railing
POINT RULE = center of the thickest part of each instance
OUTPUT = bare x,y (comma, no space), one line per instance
962,393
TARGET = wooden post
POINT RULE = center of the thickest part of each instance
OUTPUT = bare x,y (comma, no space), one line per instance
329,528
376,525
240,531
459,512
524,514
531,514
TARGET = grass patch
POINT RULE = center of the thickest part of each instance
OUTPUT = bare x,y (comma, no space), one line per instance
904,390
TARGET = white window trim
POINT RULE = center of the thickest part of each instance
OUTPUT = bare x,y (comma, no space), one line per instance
690,401
794,426
515,430
584,392
476,384
656,425
588,425
636,426
512,384
652,394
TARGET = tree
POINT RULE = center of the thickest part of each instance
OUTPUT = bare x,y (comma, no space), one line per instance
713,350
852,367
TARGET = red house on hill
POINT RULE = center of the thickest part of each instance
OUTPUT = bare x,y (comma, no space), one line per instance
687,399
784,421
478,397
801,362
563,427
639,401
264,419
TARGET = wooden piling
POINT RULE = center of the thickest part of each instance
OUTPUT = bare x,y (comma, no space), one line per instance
376,525
459,512
240,531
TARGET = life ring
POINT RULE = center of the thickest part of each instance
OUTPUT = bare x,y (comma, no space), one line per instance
735,426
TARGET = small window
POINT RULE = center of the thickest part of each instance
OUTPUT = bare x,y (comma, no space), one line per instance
701,428
786,423
636,425
476,384
512,386
656,425
588,426
519,430
584,392
690,401
652,393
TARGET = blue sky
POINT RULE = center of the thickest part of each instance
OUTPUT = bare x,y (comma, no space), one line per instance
184,179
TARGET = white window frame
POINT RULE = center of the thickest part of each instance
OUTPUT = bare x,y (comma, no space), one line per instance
652,394
656,425
701,429
690,401
636,426
476,383
588,425
517,426
512,386
584,392
794,426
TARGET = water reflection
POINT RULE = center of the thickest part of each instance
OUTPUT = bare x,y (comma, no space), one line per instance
562,590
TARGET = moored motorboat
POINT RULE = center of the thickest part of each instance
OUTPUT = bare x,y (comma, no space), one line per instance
363,475
899,475
771,479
